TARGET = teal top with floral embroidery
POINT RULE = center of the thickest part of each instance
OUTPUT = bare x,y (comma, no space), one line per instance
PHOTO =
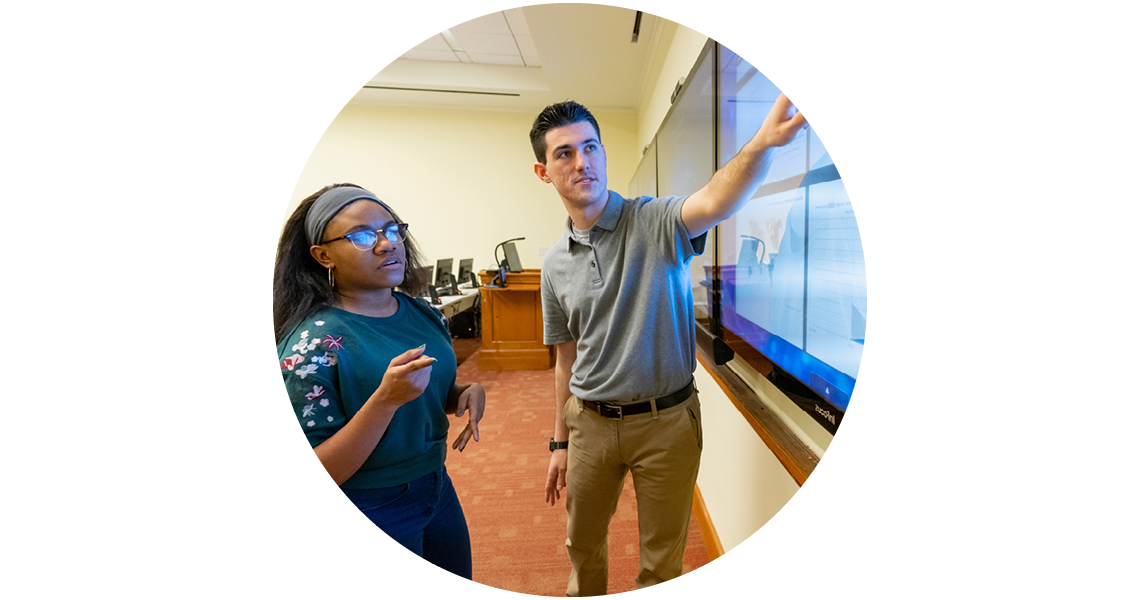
334,360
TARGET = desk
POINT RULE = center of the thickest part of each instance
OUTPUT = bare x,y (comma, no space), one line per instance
512,325
453,305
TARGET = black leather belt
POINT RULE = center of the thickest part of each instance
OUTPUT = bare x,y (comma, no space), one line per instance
617,411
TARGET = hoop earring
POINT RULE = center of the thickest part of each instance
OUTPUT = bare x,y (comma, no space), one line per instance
332,283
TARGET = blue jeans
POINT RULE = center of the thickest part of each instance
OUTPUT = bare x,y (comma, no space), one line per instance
423,516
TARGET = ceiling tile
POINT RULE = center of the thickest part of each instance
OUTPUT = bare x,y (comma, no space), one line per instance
418,54
608,71
516,21
497,59
435,42
492,23
526,45
450,40
486,43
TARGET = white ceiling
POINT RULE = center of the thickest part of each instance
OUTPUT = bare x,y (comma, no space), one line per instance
524,59
501,38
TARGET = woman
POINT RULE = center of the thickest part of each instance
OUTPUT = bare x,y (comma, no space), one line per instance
371,370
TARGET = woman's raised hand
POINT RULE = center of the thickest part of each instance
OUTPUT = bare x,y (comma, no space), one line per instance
407,376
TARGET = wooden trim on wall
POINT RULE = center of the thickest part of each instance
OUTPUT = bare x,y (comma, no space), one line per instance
704,521
792,453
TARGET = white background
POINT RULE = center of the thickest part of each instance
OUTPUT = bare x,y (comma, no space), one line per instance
149,150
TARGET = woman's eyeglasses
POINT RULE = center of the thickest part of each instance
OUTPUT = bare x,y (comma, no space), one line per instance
366,240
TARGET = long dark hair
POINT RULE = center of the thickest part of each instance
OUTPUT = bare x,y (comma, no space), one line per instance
301,285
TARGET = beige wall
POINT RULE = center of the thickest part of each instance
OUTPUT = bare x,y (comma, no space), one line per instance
462,178
741,481
677,53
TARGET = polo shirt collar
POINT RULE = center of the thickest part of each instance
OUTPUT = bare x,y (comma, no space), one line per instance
608,221
611,212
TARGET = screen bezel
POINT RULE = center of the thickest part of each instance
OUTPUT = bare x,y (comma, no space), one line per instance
800,374
443,272
465,268
512,255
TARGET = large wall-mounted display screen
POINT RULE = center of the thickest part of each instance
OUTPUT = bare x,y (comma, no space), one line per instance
791,262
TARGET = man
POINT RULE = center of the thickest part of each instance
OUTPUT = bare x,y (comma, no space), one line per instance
617,305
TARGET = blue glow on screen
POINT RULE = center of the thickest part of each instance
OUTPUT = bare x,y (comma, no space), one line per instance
794,280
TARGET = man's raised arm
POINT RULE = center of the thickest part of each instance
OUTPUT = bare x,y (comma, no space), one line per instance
733,185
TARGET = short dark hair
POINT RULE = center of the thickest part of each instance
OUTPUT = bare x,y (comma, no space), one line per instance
300,283
554,116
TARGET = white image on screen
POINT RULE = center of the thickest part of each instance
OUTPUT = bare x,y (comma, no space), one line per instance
772,296
837,281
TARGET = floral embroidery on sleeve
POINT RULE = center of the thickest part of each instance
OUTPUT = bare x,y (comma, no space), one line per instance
305,344
332,343
304,362
310,410
328,360
292,361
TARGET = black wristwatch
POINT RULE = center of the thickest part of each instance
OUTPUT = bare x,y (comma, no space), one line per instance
558,445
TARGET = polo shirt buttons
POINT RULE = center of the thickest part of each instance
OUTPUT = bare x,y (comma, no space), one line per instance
592,264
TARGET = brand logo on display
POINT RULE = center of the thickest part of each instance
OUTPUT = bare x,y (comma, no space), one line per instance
826,414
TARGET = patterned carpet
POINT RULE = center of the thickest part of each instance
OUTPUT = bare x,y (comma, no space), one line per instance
517,540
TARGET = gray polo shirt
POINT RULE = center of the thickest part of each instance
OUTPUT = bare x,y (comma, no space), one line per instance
626,298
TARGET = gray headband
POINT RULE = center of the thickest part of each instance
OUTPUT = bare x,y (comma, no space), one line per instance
329,204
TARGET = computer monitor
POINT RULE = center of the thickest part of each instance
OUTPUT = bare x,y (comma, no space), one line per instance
512,254
465,272
425,276
443,273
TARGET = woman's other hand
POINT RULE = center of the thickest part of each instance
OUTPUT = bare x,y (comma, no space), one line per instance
472,401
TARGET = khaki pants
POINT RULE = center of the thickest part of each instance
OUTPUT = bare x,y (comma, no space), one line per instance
663,450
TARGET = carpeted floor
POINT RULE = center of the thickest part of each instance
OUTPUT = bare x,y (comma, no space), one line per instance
517,540
465,347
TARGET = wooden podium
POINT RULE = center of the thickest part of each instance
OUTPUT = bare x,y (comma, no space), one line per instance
512,324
